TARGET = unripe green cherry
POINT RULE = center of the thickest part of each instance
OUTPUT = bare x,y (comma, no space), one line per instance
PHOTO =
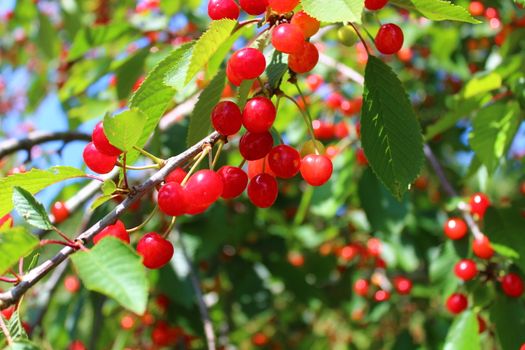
347,36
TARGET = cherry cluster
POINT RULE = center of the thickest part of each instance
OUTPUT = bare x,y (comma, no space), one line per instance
100,155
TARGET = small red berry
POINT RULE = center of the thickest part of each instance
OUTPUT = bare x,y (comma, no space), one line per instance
232,76
381,295
226,118
176,176
127,322
7,313
304,60
76,345
476,8
334,100
97,161
172,199
219,9
389,39
247,63
512,285
60,212
314,81
263,190
283,6
323,130
235,181
101,142
482,248
284,161
402,285
72,284
482,325
255,146
361,287
479,203
155,250
457,303
288,38
466,269
254,7
374,5
316,169
308,24
204,187
258,114
117,230
455,228
260,339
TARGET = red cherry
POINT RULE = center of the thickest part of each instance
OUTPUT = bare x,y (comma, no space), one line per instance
260,339
127,322
254,7
117,230
259,166
361,157
479,203
341,130
101,142
482,248
381,295
316,169
308,24
512,285
323,130
232,77
457,303
263,190
60,212
247,63
374,5
361,287
235,181
160,335
195,208
226,118
72,284
283,6
97,161
219,9
314,81
402,285
288,38
176,175
7,313
349,252
476,8
304,60
254,146
172,199
334,100
204,187
6,220
466,269
373,246
284,161
389,39
455,228
482,325
76,345
258,114
155,250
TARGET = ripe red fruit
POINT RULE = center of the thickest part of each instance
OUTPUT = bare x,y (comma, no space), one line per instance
76,345
172,199
258,114
308,24
374,5
482,325
6,220
259,166
176,175
72,284
389,39
284,161
466,269
195,208
512,285
232,77
482,248
361,287
204,187
235,181
117,230
97,161
479,203
457,303
381,295
101,142
255,146
155,250
476,8
334,100
402,285
219,9
349,252
314,81
373,247
7,313
288,38
226,118
60,212
254,7
360,156
161,335
247,63
127,322
316,169
283,6
263,190
455,228
304,60
323,130
260,339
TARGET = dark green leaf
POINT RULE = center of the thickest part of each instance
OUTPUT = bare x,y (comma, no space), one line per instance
508,317
88,38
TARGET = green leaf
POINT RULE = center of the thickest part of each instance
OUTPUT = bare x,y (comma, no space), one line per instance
108,187
244,91
23,345
88,38
101,200
33,182
124,129
333,11
30,209
482,84
463,334
391,135
154,96
276,69
113,268
46,37
520,2
200,118
128,73
15,243
437,10
508,317
493,130
16,330
209,42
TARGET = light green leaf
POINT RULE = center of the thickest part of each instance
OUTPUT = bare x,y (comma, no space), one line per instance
47,38
391,135
33,182
244,91
508,317
333,11
88,38
200,118
493,130
218,32
177,71
437,10
30,209
101,200
124,129
463,334
15,243
482,84
108,187
113,268
16,330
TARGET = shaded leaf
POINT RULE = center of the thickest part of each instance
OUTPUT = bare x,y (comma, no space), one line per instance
15,243
30,209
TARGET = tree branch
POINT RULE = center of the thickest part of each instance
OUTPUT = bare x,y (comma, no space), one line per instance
35,138
32,277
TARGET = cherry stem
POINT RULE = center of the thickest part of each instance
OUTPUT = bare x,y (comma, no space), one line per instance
242,163
203,154
216,158
12,272
145,167
8,280
307,122
53,241
145,153
360,38
124,174
240,25
63,235
169,228
141,226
